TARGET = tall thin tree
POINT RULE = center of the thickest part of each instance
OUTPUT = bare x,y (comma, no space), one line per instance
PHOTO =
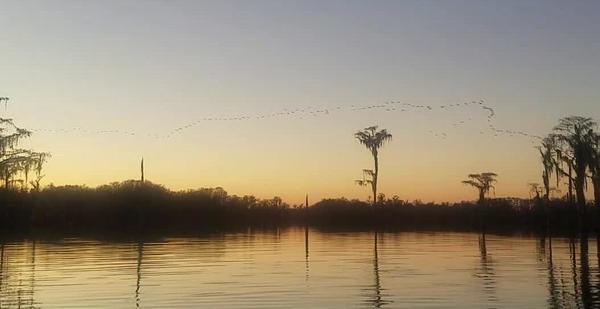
547,151
595,168
372,139
142,171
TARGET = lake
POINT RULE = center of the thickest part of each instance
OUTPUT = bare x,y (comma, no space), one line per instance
300,268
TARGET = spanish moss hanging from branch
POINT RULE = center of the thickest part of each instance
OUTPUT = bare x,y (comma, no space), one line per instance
17,163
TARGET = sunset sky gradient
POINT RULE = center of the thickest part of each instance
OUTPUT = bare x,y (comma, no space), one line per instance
152,66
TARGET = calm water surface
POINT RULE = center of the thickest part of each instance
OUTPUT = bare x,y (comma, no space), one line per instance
298,268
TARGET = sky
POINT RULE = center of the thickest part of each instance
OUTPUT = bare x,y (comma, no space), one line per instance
149,67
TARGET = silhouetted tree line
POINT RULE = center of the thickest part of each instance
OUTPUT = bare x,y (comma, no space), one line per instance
132,205
135,206
498,214
571,152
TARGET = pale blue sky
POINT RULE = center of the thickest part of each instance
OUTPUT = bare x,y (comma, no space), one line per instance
151,66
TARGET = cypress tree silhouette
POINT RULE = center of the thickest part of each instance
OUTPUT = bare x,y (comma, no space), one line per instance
372,140
575,136
483,182
17,162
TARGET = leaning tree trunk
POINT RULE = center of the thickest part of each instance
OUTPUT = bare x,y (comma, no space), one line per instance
546,186
570,184
580,188
375,175
596,183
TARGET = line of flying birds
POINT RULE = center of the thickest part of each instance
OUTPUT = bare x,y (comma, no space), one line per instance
300,113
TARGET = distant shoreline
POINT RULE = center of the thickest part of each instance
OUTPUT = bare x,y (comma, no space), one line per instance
132,207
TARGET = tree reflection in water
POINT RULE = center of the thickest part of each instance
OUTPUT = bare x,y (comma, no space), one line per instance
140,255
377,299
570,274
306,253
486,271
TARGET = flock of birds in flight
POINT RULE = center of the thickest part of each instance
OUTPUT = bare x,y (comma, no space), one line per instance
301,113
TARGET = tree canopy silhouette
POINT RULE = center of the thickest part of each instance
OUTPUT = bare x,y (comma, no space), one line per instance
17,163
575,137
372,139
483,182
